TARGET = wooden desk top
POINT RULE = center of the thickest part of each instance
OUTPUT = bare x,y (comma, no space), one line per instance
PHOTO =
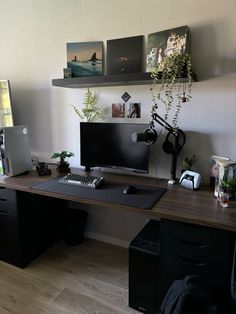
178,203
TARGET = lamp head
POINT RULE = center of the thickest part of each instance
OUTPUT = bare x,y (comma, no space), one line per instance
149,136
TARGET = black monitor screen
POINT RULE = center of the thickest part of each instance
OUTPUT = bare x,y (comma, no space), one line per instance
110,145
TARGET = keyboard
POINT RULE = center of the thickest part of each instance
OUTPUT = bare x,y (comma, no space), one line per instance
82,180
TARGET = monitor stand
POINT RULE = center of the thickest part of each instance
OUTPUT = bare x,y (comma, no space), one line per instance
87,169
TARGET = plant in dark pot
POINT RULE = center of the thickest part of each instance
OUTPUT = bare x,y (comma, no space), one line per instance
62,165
228,186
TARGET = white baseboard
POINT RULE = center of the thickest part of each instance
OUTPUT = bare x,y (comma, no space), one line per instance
106,239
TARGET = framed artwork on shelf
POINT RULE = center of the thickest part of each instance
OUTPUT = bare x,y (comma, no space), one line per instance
67,73
85,58
165,43
125,55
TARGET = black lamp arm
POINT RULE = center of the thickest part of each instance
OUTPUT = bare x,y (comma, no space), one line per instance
163,123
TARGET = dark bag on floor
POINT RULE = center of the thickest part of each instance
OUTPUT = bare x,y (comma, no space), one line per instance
190,295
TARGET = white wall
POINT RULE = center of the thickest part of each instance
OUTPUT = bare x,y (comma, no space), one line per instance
33,37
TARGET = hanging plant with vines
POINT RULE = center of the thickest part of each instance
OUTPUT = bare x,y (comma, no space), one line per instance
172,81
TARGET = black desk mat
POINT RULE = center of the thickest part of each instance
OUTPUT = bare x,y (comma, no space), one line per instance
145,197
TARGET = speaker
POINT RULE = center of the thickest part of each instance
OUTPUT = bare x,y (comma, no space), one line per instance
144,269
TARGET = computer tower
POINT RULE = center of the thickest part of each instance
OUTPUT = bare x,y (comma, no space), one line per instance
144,269
15,157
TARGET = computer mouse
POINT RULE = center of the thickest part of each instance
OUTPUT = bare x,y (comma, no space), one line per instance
130,189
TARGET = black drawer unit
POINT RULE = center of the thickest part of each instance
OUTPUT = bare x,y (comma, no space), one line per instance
8,201
144,269
29,224
188,249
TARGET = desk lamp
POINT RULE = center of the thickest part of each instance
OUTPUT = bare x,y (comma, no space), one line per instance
149,137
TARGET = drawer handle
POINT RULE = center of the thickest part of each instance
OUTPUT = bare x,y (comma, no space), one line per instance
2,188
200,245
3,199
192,261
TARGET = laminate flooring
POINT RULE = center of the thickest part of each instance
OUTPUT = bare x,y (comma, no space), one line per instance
85,279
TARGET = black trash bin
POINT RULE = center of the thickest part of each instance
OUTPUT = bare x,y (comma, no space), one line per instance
74,222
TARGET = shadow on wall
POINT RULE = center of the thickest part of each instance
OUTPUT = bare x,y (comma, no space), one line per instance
213,49
31,108
199,144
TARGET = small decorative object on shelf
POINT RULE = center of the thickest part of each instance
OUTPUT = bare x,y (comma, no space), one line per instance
67,73
91,111
62,165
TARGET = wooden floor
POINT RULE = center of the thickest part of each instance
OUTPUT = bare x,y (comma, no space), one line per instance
89,278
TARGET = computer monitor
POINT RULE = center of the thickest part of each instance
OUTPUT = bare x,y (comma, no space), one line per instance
110,145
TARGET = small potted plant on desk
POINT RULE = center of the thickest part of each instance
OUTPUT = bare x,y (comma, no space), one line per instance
187,163
62,165
227,190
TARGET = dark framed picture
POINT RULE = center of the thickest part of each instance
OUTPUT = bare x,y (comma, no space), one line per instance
163,44
134,110
125,55
85,58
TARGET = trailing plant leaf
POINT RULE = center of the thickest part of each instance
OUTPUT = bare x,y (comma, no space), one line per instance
91,111
172,81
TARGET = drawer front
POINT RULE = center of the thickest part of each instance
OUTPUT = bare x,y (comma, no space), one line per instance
7,219
10,250
195,242
188,249
8,200
9,237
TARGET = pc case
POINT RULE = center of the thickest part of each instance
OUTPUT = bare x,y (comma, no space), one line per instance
144,269
14,151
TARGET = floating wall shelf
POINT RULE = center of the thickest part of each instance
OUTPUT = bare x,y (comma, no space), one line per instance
106,80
